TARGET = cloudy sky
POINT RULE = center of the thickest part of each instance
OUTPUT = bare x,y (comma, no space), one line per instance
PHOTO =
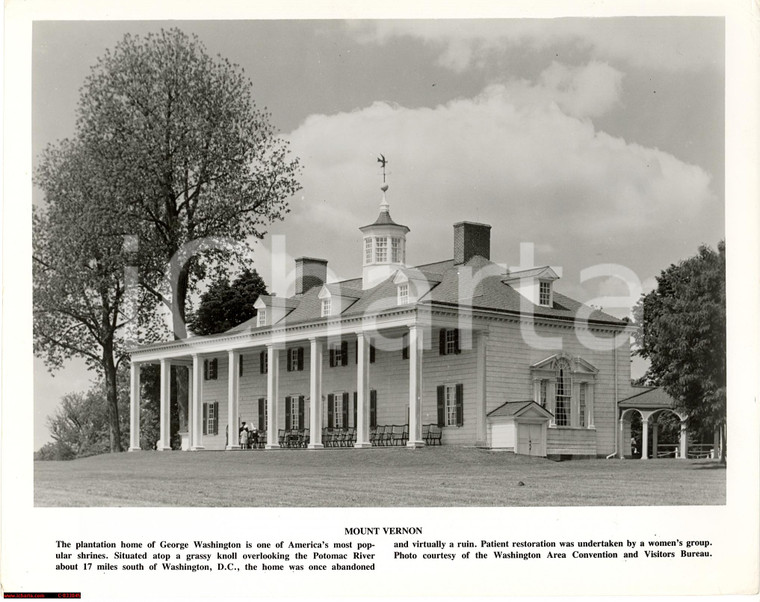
597,140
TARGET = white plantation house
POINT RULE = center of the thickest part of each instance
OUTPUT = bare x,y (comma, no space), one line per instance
458,352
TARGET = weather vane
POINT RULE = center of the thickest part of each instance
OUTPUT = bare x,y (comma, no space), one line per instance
382,161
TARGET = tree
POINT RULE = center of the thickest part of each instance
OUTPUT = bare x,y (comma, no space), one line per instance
682,331
78,272
225,305
198,167
80,426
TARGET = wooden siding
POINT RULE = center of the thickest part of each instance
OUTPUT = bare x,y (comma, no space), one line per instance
571,441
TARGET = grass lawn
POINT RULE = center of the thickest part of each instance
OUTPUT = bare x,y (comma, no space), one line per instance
435,476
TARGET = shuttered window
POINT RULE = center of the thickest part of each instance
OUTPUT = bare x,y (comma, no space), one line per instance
448,341
211,418
450,405
210,369
295,359
263,422
263,362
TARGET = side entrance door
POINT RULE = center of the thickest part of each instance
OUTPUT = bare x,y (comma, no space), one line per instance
530,439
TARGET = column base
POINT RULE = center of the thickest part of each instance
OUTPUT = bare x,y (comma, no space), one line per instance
415,444
272,446
138,448
315,446
164,448
362,445
232,447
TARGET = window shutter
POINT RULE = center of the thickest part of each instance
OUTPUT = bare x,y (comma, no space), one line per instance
289,361
442,342
345,409
405,347
240,365
332,357
216,415
356,409
441,405
213,369
356,351
344,354
205,369
205,419
262,412
263,362
373,408
301,412
300,358
460,404
371,353
330,410
456,341
287,414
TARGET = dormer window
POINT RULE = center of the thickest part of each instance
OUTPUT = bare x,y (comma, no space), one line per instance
326,307
545,293
261,318
403,294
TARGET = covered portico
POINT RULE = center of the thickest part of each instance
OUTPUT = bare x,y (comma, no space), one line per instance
408,331
650,405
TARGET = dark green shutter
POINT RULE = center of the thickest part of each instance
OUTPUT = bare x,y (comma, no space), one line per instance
262,413
301,424
213,369
345,409
205,369
216,415
460,404
405,347
371,353
356,351
262,362
332,357
442,342
205,419
288,362
441,405
344,353
287,414
373,408
330,410
240,365
356,409
456,341
300,358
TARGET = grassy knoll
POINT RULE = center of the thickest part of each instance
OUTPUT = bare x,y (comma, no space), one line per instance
441,476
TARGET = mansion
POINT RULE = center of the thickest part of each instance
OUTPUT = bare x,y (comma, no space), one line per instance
490,357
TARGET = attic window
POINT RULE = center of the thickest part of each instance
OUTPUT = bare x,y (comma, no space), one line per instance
261,317
403,294
545,293
326,307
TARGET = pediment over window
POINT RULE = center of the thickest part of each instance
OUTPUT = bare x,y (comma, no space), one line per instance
577,364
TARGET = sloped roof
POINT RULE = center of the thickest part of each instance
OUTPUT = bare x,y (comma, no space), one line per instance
649,399
384,219
516,408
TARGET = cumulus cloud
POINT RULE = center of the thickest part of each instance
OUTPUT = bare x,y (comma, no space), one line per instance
522,156
662,43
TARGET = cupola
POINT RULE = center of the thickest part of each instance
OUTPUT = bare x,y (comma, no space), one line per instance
384,246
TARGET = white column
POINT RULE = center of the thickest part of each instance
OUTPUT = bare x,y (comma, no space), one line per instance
134,406
196,411
273,393
684,451
233,388
481,390
362,392
188,444
415,387
655,435
621,443
644,437
315,391
164,439
590,404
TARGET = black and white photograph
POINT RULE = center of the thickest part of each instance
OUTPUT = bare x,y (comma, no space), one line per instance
355,295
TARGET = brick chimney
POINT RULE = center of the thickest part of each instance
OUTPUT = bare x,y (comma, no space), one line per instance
471,239
310,272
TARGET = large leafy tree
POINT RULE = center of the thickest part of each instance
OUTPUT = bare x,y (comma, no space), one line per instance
226,304
199,168
79,289
682,332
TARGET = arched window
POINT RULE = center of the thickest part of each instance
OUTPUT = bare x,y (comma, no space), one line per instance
563,389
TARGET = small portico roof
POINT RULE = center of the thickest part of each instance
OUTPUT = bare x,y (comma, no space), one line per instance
651,398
